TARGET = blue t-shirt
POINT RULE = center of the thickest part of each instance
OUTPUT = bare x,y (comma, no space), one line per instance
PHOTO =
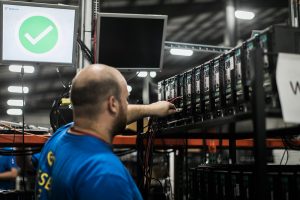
82,167
6,164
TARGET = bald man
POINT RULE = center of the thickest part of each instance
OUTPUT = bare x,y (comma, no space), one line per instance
77,162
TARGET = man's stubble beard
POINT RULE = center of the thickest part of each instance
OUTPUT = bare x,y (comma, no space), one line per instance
120,122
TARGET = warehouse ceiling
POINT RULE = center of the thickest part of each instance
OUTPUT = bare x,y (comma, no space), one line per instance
190,21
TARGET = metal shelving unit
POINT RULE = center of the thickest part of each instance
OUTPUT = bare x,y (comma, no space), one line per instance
258,114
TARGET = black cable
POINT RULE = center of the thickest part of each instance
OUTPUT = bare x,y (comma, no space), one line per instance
14,139
23,124
288,142
140,161
186,166
84,48
88,54
160,183
287,157
282,156
60,78
54,112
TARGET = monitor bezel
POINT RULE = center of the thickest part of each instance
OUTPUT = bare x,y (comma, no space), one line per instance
139,16
43,5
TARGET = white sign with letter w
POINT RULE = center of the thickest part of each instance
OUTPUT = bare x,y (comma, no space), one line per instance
288,84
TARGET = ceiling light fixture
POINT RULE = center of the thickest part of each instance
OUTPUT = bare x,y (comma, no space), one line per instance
242,14
17,68
142,74
152,74
14,111
15,102
181,52
129,88
17,89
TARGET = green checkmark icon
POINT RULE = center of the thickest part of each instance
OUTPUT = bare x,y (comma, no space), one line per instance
38,34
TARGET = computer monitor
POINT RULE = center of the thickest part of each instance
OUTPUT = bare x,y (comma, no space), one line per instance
33,33
131,41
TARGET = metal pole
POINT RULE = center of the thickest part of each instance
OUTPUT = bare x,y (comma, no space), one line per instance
172,172
85,30
232,144
259,123
294,12
230,38
146,89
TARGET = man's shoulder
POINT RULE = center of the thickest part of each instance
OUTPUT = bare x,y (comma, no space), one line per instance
62,129
58,133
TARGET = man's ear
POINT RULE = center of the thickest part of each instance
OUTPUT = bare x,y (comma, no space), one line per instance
113,104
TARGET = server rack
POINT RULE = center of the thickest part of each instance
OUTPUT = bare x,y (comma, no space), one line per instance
246,94
220,182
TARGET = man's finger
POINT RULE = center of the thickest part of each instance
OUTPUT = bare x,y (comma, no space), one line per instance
172,106
172,111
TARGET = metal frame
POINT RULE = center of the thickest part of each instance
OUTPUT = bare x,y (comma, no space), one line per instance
258,117
196,47
259,124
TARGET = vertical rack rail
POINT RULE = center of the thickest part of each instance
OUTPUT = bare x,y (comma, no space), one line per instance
259,124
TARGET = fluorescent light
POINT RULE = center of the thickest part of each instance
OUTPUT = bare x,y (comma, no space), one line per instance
129,88
241,14
15,102
17,89
17,68
152,74
181,52
142,74
14,111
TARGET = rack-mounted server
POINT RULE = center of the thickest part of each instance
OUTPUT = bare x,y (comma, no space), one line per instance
222,182
223,86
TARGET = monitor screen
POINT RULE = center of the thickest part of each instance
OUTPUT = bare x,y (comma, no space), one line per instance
131,41
37,33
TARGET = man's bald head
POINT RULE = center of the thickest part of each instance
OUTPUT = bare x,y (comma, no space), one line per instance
92,86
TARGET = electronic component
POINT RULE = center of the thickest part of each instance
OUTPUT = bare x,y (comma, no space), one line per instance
248,46
223,86
270,87
206,91
54,46
138,31
173,97
240,79
238,182
215,81
167,89
198,94
161,90
228,83
162,96
182,94
190,91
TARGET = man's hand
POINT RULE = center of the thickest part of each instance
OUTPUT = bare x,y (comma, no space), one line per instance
162,108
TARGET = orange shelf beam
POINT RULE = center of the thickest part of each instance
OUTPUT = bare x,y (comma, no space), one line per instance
120,140
130,141
17,140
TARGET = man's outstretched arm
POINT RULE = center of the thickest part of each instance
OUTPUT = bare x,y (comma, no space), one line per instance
159,109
